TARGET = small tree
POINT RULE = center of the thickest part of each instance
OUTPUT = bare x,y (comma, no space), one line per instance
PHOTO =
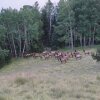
97,55
4,57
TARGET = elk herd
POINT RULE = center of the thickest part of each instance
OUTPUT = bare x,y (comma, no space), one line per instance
62,57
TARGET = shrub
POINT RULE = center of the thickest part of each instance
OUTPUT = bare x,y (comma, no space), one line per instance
4,57
20,81
98,78
57,93
36,46
97,55
2,98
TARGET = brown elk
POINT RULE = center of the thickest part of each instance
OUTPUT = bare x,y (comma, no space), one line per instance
63,57
86,52
58,56
78,56
27,55
37,55
46,55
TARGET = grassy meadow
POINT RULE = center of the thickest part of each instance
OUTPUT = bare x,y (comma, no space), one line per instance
36,79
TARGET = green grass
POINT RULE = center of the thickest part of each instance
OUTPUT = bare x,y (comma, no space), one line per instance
36,79
13,65
81,48
2,98
20,81
98,78
57,93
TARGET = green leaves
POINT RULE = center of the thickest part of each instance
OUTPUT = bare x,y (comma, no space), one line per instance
18,29
70,23
4,57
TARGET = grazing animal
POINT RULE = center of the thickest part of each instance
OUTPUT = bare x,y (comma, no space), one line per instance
63,57
86,52
78,56
46,56
58,55
71,55
27,55
37,55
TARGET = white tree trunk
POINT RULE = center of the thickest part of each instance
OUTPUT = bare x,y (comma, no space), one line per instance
15,52
84,41
81,41
25,40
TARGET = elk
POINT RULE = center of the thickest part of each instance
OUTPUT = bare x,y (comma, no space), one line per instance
58,55
27,55
78,56
86,52
36,55
63,57
46,55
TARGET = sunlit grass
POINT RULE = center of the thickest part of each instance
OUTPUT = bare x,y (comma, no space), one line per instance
81,48
35,79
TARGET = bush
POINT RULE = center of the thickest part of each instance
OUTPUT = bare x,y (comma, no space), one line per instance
57,93
20,81
2,98
4,57
37,46
97,55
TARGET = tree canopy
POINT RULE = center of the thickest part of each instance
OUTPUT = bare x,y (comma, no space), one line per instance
70,23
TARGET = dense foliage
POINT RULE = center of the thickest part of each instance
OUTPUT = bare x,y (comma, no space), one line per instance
78,23
21,31
70,23
4,57
97,55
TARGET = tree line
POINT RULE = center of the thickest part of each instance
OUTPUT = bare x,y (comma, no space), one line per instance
70,23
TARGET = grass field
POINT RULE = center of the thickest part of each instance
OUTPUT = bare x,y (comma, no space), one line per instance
81,48
35,79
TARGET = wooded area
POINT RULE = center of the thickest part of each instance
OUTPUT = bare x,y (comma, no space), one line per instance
70,23
50,53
